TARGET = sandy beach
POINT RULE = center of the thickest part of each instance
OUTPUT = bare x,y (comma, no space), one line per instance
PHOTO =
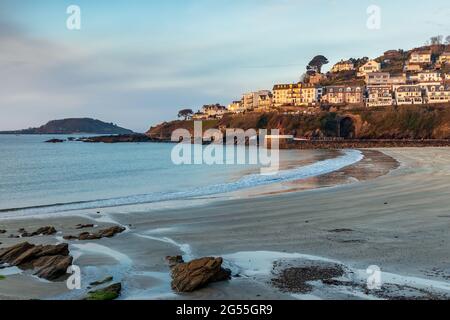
379,212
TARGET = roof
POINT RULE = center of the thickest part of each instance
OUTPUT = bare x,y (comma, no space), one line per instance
439,87
286,86
421,51
409,88
377,74
343,88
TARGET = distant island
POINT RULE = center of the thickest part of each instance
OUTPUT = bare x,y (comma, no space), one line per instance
74,126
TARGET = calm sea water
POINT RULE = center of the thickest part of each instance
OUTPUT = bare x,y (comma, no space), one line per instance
45,178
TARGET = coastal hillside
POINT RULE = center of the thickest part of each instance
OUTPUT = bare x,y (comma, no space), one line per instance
73,126
411,122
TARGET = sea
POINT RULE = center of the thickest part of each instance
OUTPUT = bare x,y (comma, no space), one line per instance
38,178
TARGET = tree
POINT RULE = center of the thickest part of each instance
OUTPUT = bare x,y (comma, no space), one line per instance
359,61
185,113
436,40
315,65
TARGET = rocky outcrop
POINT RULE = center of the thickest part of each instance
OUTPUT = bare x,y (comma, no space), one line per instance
84,226
100,282
105,233
55,141
51,261
118,139
109,293
44,231
174,260
188,277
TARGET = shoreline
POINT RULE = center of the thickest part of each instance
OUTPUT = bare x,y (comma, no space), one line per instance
290,228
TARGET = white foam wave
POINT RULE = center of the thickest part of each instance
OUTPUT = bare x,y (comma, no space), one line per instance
254,180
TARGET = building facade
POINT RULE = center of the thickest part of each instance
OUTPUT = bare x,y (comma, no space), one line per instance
265,101
408,94
379,96
444,58
420,56
285,94
236,107
214,110
341,95
343,66
378,78
369,67
437,94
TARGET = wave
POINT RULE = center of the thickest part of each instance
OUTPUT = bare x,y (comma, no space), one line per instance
348,158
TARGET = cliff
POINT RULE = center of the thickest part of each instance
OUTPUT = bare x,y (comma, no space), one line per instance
73,126
408,122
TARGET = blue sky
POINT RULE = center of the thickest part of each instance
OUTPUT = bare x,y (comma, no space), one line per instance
136,63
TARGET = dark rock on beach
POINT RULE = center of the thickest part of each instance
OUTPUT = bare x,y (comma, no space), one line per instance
105,233
174,260
100,282
84,226
109,293
188,277
50,261
45,231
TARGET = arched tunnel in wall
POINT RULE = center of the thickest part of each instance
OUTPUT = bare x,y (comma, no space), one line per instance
347,128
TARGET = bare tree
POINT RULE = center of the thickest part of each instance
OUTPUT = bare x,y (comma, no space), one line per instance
436,40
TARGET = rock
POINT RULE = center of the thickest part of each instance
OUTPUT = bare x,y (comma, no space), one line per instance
109,293
70,238
52,267
54,141
88,236
188,277
105,233
51,261
111,232
84,226
2,231
173,261
98,283
13,236
45,231
8,255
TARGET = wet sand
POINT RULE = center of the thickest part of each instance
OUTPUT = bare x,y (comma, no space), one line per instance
396,220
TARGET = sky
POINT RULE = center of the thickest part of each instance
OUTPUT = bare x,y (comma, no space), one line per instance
136,63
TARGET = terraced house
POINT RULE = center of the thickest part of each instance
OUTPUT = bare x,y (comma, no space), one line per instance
378,78
420,57
444,58
437,94
285,94
379,96
309,95
342,95
408,94
369,67
343,66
